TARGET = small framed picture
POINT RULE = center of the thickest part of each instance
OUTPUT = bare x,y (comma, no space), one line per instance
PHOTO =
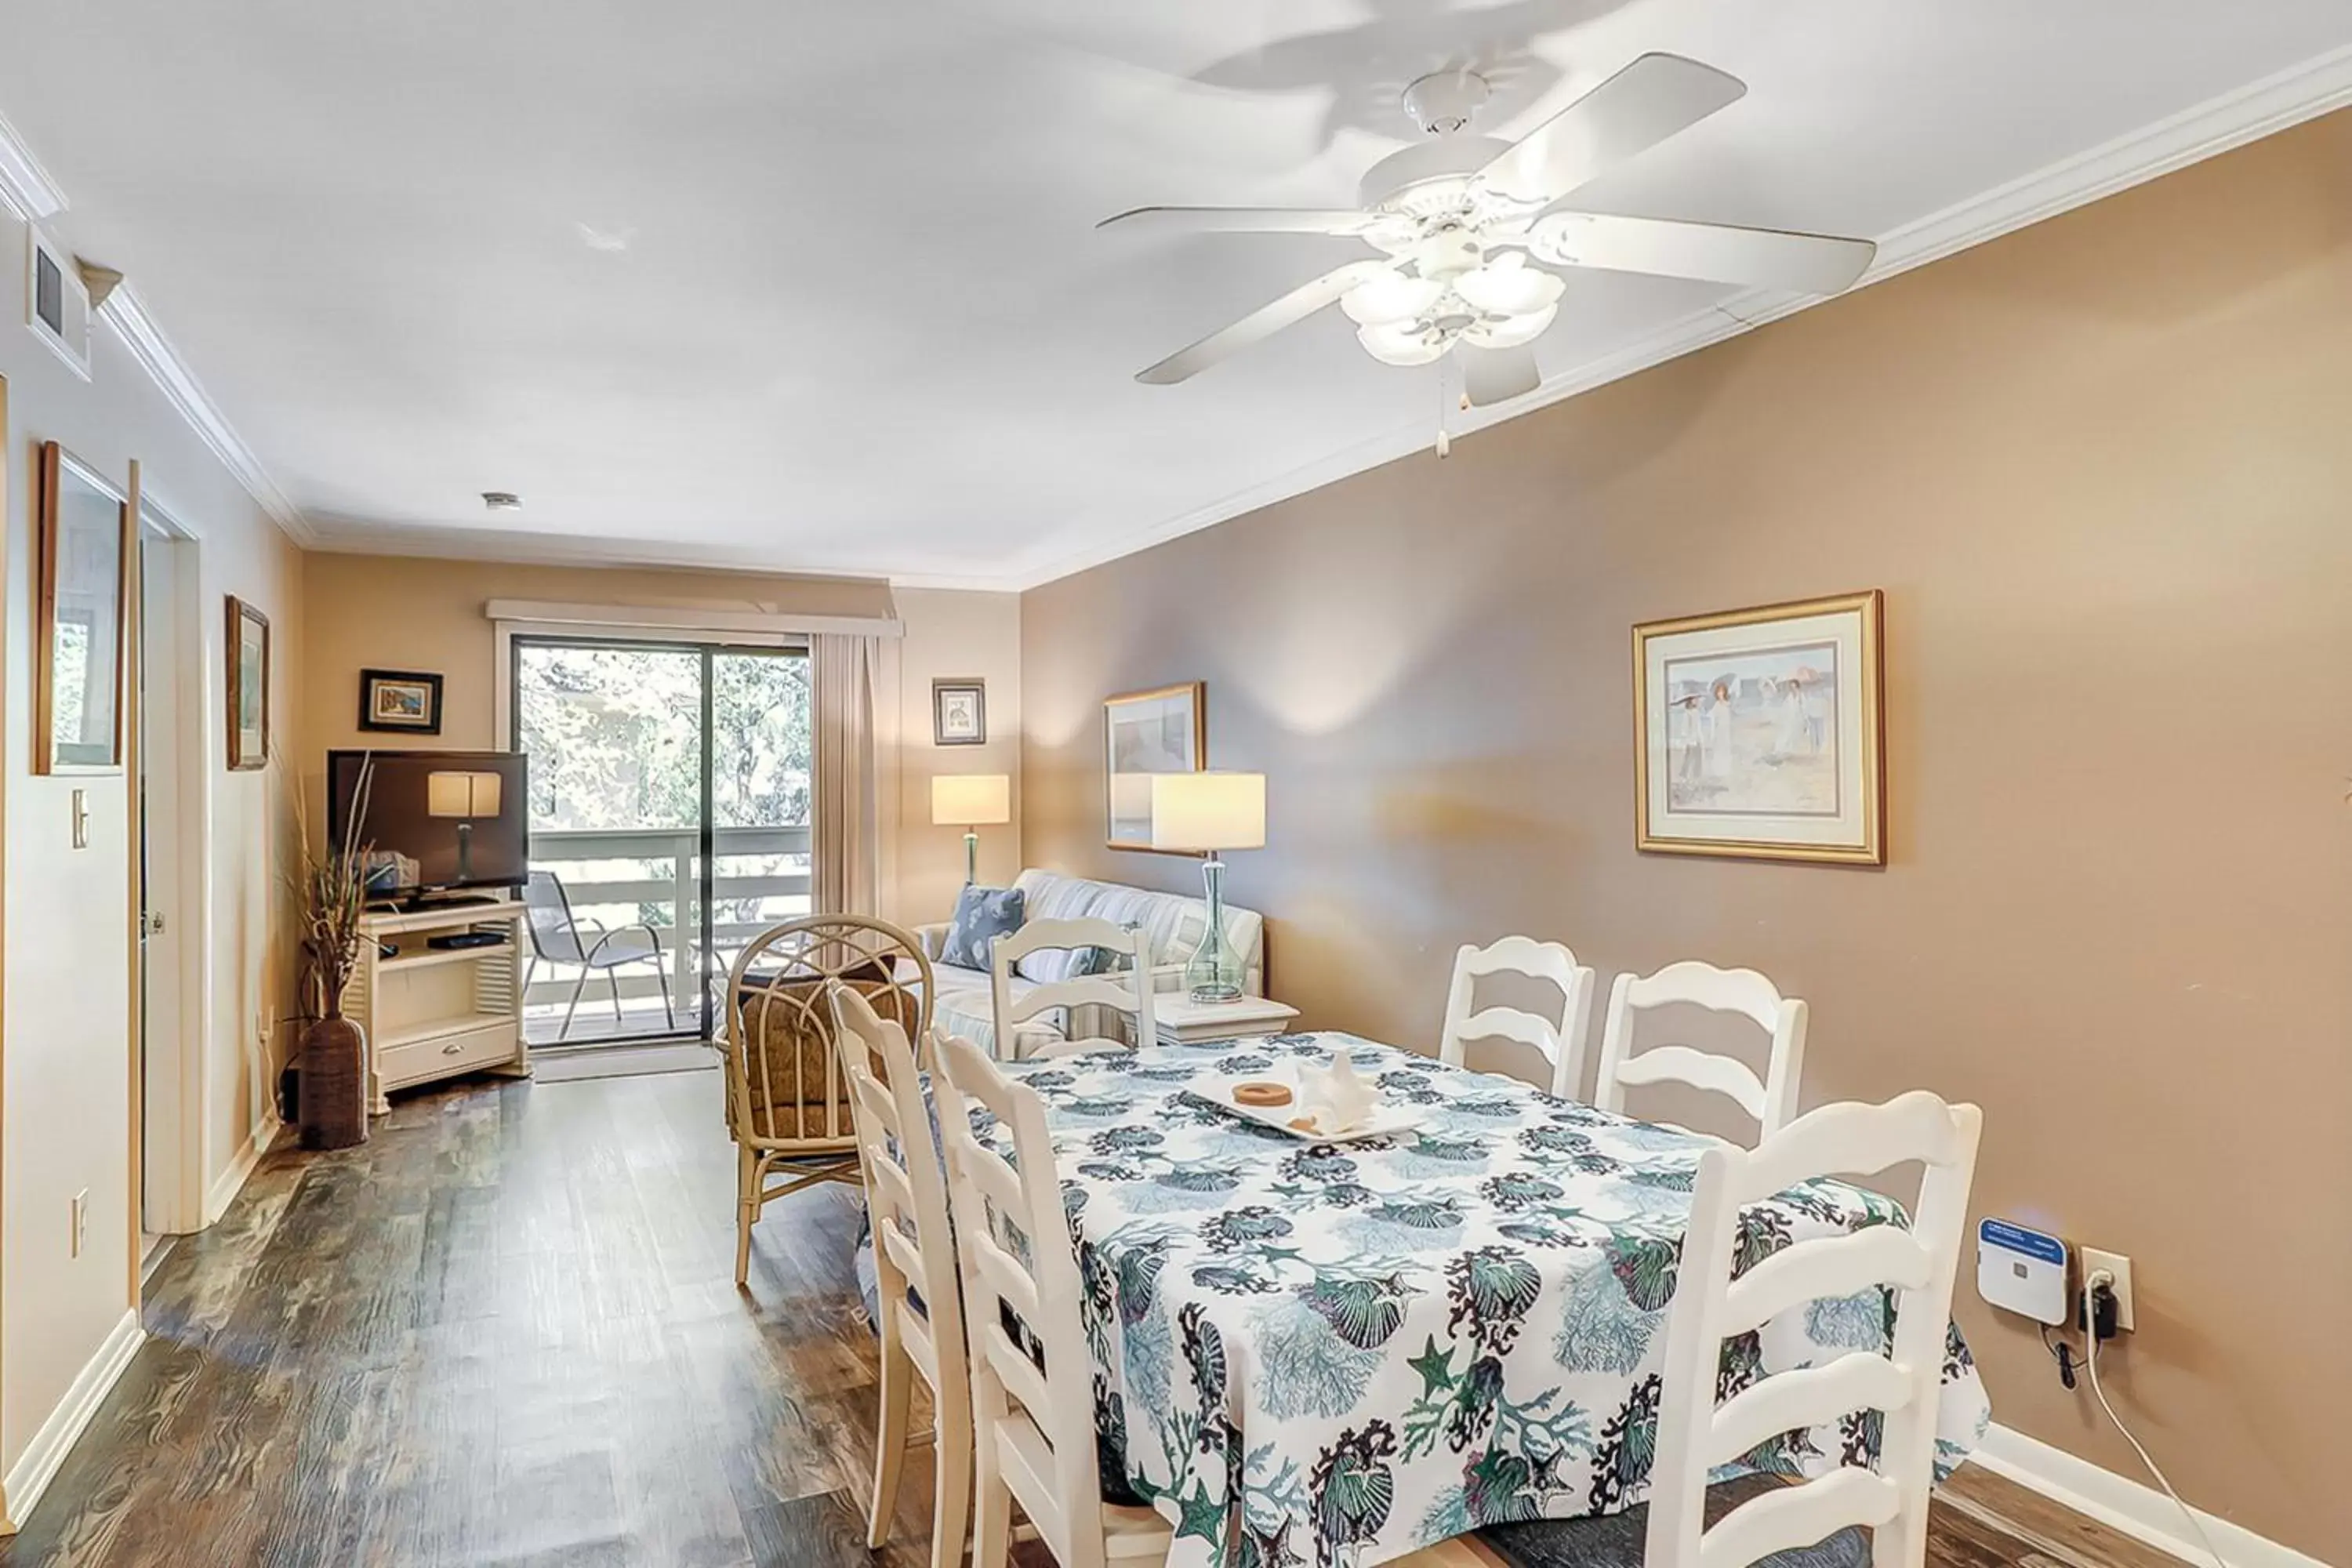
1760,733
958,711
248,688
401,700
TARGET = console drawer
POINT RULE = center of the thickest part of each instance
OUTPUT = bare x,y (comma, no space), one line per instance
417,1062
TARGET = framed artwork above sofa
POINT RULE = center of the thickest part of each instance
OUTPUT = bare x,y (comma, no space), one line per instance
1162,730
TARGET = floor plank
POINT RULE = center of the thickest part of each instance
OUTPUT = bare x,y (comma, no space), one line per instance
505,1332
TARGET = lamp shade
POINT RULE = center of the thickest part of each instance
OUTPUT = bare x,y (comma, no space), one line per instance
461,795
971,800
1208,810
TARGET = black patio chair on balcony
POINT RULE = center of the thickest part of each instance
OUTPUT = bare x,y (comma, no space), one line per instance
556,937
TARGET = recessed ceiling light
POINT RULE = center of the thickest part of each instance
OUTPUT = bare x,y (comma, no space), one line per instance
502,501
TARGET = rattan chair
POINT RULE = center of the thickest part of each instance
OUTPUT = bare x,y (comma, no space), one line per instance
787,1101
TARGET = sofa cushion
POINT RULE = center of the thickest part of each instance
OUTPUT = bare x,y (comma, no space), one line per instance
1050,966
966,1008
1174,923
982,915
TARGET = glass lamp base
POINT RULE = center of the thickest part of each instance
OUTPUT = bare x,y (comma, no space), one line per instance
1214,974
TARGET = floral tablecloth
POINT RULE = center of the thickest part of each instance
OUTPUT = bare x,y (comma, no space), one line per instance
1326,1354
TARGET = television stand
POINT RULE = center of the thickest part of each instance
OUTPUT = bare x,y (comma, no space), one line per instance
424,903
432,1012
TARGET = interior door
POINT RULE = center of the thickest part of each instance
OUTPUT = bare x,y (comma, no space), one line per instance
163,711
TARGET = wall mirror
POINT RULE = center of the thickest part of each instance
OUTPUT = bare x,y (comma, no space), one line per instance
79,647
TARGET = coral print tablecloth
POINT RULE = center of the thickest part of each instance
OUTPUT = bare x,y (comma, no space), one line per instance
1325,1354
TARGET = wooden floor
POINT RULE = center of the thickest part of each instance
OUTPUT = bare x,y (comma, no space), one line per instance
506,1331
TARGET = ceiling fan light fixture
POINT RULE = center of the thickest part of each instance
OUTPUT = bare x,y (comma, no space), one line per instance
1403,345
1507,286
1511,331
1390,299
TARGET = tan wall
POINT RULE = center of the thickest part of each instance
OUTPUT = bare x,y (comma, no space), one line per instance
2103,469
67,1123
958,634
395,613
388,612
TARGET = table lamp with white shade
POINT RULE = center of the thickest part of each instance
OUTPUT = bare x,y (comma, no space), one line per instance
970,801
465,796
1205,813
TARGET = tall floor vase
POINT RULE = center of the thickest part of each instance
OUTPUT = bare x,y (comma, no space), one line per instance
332,1090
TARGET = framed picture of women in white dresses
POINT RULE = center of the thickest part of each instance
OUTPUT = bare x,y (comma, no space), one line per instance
1761,732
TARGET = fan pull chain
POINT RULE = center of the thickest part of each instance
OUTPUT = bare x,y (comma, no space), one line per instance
1445,400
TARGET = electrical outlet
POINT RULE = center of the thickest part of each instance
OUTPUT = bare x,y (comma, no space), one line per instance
2117,1264
80,1220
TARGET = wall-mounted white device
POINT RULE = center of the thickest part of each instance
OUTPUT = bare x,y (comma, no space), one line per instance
2021,1270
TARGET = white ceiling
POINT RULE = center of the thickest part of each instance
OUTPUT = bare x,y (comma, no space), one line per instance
815,287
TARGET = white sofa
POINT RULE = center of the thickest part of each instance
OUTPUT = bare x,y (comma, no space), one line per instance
1174,923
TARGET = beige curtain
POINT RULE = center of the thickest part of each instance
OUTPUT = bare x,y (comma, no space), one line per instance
847,852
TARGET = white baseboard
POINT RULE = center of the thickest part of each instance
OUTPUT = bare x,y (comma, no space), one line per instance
54,1440
2120,1503
231,1182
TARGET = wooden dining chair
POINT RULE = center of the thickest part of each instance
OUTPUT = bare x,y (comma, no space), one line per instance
1559,1041
1770,1099
1034,1413
1770,1517
1127,989
919,1314
787,1105
1713,1303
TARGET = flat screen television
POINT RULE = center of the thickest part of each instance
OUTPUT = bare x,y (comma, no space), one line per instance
436,821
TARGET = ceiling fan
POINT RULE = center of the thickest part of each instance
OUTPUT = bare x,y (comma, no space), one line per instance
1461,219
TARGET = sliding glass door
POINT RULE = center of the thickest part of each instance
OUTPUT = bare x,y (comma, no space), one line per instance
669,821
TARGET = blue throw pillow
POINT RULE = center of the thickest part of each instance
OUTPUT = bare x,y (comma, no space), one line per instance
982,915
1100,960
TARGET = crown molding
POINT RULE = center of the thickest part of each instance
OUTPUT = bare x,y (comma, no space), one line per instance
2274,103
128,314
27,188
24,185
518,547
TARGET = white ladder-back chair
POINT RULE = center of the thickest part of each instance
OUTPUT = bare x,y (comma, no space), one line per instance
1694,1434
1127,990
1034,1438
1770,1099
914,1249
1560,1040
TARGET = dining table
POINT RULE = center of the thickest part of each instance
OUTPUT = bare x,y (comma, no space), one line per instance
1338,1352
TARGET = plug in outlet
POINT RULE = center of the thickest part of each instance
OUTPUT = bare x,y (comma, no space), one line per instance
2117,1264
80,1220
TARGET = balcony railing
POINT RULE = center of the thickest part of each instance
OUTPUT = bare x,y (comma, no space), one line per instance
653,874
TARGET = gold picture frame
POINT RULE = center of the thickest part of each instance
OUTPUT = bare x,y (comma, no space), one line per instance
1760,733
248,687
1162,730
82,590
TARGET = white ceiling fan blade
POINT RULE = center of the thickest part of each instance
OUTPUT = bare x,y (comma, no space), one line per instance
1240,220
1498,375
1261,323
1638,108
1710,252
